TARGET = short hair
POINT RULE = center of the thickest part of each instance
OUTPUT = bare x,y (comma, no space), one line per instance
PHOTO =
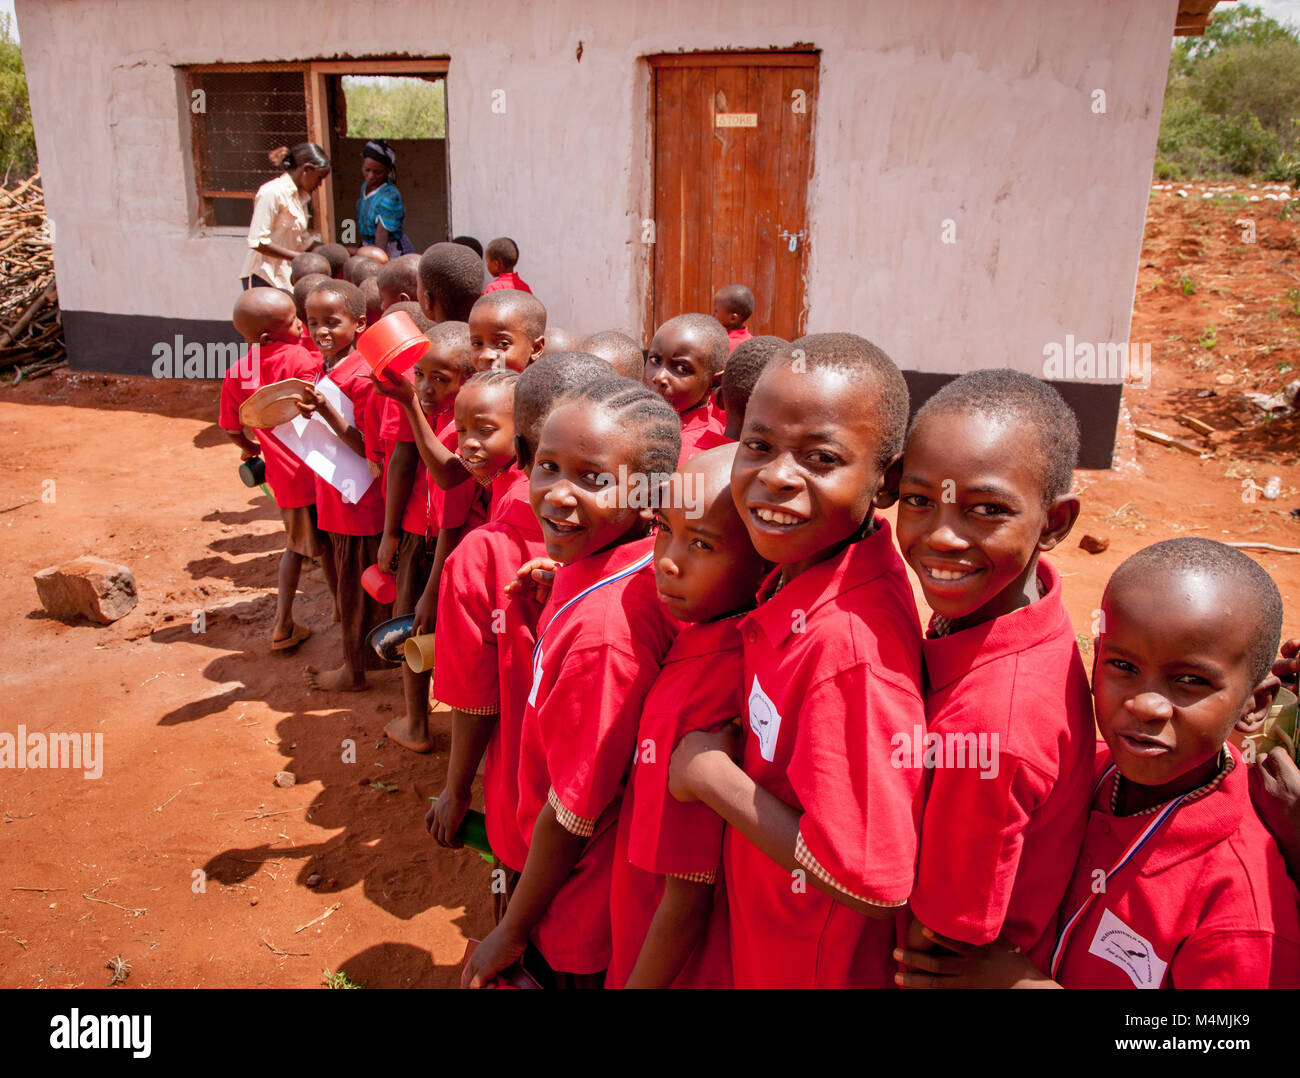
471,243
303,286
493,379
1025,401
307,263
516,305
737,299
622,352
1197,556
455,337
422,320
400,275
857,357
370,296
504,250
744,366
346,292
359,268
542,384
655,426
337,255
452,275
714,335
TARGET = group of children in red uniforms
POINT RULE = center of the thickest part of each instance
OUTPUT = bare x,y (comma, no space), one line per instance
679,640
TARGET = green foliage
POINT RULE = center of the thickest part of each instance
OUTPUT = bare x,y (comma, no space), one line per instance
339,980
17,140
1232,101
1209,337
395,107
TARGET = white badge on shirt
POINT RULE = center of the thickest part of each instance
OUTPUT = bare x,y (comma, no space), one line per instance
764,720
1121,946
537,677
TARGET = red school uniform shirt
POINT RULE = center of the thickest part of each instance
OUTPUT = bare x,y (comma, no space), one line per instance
509,279
697,689
603,636
366,516
735,336
464,503
290,480
394,427
484,642
1205,902
701,430
1009,704
832,675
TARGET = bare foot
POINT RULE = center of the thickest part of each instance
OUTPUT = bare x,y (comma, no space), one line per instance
344,679
409,735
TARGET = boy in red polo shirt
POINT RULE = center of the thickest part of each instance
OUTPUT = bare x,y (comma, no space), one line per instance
684,366
501,256
486,631
669,854
1178,884
335,315
821,847
268,322
732,306
602,638
410,530
1009,745
507,330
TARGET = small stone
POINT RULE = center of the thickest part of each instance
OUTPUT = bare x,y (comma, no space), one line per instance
285,779
1224,379
252,902
313,880
87,587
1093,544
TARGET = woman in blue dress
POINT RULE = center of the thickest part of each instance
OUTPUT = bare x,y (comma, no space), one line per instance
380,213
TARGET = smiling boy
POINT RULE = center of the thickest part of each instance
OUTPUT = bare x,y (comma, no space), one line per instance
684,366
507,330
985,490
821,846
1178,884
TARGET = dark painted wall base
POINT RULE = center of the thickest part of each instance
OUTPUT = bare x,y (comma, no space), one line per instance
129,344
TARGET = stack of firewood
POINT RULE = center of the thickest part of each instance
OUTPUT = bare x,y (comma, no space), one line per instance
31,331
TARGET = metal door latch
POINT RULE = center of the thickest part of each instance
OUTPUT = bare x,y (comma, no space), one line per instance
793,237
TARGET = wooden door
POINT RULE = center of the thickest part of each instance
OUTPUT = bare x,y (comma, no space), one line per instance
732,158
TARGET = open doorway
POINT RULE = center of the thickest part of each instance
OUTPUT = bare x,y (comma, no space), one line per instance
403,102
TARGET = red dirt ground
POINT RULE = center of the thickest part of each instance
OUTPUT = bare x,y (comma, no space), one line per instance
197,724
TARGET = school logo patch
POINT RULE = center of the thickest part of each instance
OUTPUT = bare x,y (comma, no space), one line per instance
764,721
1121,946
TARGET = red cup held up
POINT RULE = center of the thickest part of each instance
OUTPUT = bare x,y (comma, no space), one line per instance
392,344
381,586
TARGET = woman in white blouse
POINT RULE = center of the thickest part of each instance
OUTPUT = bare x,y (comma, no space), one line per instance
278,231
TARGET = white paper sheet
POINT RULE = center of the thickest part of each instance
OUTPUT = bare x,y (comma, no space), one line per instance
314,442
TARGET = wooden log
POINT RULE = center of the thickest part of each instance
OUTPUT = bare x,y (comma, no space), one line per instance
27,315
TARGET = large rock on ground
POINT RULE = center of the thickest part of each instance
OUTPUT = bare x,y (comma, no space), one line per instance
87,587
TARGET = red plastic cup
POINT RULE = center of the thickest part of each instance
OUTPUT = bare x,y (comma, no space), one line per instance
393,344
381,586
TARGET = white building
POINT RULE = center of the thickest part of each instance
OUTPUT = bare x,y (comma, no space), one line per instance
962,182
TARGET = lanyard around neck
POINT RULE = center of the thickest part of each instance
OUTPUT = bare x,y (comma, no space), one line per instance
635,567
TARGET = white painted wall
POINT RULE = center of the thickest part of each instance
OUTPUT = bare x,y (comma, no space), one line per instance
930,109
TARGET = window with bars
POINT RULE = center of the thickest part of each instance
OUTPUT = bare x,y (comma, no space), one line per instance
238,115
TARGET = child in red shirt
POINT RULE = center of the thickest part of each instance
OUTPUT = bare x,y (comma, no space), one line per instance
449,279
668,854
502,255
410,533
399,281
335,315
684,366
1178,884
602,638
301,287
1009,743
507,331
486,630
732,306
821,847
268,322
